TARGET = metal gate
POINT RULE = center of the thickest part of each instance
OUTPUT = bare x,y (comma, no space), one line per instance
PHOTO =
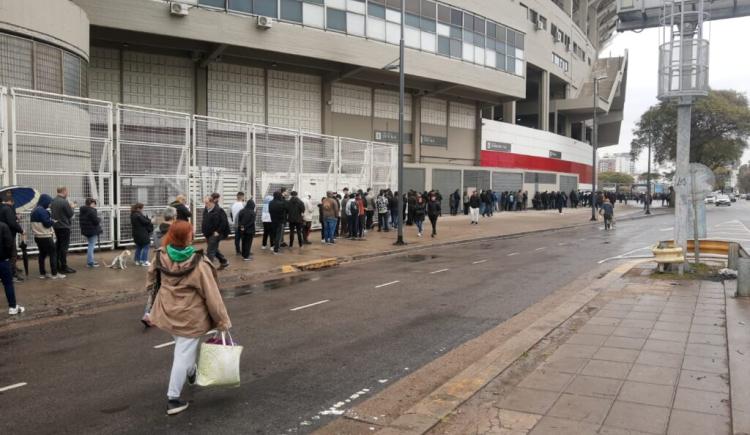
4,136
478,180
568,183
276,161
354,164
153,161
222,161
318,167
384,167
446,181
507,181
58,141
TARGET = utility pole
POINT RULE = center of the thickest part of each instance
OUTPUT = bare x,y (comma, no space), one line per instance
648,179
400,200
594,146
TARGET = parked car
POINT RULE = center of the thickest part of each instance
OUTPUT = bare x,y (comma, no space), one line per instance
723,200
743,195
732,197
710,200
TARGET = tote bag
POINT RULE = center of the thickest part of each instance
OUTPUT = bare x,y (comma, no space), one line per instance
219,364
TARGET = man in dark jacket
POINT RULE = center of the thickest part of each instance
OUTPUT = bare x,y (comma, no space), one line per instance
8,217
6,272
245,222
62,213
474,203
277,208
295,212
215,228
183,213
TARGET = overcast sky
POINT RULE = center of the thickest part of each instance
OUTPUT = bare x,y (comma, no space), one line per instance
729,68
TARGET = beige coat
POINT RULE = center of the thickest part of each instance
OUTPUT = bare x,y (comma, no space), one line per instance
188,303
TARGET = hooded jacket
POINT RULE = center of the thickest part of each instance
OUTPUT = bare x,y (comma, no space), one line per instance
89,220
295,210
245,219
41,219
188,303
309,210
183,214
9,217
142,228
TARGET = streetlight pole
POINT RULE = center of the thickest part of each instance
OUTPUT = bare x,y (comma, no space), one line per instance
648,180
400,202
594,145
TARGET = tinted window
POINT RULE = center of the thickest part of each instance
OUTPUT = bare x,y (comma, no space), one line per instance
444,14
291,10
428,9
412,6
456,50
444,45
491,30
265,7
468,22
457,17
479,25
214,3
241,5
429,25
519,40
375,10
336,19
456,32
412,21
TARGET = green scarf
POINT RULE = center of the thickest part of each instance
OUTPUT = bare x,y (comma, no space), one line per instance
180,255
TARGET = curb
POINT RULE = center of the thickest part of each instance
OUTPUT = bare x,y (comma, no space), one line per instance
430,411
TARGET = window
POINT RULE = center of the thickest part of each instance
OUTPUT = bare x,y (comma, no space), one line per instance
375,10
457,17
212,3
240,5
355,24
291,10
265,7
444,46
444,14
336,19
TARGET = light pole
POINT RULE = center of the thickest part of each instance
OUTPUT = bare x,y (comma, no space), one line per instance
594,145
400,233
648,180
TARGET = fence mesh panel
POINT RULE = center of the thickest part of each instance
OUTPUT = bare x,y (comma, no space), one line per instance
4,128
276,162
153,160
318,168
354,163
384,167
65,141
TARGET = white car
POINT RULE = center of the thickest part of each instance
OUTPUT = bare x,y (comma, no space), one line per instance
723,200
710,200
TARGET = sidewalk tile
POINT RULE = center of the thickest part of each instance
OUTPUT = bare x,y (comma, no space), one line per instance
664,346
606,369
526,400
707,350
516,421
672,326
594,387
704,381
653,374
716,340
608,321
575,351
581,408
565,364
660,359
708,329
681,318
587,339
687,422
560,426
680,337
703,320
546,380
625,342
616,354
705,364
609,430
640,315
617,314
646,394
647,308
644,418
621,331
597,329
632,323
707,402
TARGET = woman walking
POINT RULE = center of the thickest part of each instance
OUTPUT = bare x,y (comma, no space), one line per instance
419,212
246,229
90,229
142,229
433,211
41,227
188,305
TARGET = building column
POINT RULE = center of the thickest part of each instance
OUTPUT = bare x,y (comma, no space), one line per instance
201,90
568,127
544,101
583,131
509,112
416,127
554,124
477,132
326,114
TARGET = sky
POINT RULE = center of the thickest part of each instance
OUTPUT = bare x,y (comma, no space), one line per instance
729,68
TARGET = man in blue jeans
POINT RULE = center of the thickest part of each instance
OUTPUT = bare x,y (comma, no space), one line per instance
6,271
329,208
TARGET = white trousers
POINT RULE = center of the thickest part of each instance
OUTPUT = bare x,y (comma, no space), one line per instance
185,356
474,213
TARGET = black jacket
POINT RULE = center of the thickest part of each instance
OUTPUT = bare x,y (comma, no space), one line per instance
419,210
433,208
8,217
183,214
474,201
277,208
6,242
89,221
295,210
246,218
142,228
215,221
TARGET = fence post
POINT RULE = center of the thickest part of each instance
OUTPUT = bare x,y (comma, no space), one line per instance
14,140
732,256
254,175
300,146
743,276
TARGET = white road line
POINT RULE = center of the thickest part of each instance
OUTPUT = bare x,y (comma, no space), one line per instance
438,271
10,387
623,255
540,249
667,229
310,305
479,262
512,254
388,283
159,346
562,244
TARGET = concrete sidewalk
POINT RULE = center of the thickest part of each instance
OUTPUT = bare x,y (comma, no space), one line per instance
91,288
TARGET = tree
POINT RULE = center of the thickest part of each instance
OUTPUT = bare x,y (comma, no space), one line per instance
615,177
720,130
721,177
743,179
644,176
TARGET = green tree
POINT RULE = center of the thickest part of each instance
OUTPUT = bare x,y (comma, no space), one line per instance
615,177
720,130
743,179
644,176
721,177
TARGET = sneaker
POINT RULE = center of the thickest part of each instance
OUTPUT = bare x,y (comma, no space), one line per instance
419,234
264,247
276,252
176,406
247,259
191,378
224,265
146,264
16,310
45,276
93,265
69,270
137,263
58,276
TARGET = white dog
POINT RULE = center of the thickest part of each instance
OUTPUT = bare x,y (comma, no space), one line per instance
121,261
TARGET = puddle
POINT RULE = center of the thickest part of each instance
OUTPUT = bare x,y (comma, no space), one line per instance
415,258
273,284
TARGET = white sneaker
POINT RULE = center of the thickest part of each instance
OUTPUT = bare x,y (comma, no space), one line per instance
146,264
45,276
16,310
137,263
264,247
58,276
419,234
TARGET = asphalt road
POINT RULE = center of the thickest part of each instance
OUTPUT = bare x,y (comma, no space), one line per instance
383,319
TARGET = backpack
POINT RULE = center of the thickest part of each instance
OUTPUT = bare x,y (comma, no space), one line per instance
352,209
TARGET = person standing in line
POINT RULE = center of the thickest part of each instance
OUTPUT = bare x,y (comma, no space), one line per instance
352,215
433,211
188,305
560,201
41,228
168,217
474,203
266,219
307,217
6,269
466,203
295,216
215,228
183,212
9,217
345,213
277,208
245,221
90,223
381,205
62,213
329,212
369,208
362,212
237,207
142,229
419,213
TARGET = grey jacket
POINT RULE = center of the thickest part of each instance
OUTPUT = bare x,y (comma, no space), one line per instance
62,212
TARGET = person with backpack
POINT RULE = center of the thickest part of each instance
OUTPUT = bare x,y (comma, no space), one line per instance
329,212
10,218
277,209
41,228
142,229
89,221
352,215
187,304
381,205
215,228
295,216
419,213
608,211
245,221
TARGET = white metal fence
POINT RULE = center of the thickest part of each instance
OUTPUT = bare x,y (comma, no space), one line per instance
4,120
64,141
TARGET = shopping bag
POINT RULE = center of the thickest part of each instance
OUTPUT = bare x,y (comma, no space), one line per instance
219,364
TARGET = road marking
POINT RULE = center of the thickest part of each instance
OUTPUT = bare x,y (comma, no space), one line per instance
388,283
512,254
10,387
310,305
479,262
159,346
621,256
540,249
562,244
438,271
667,229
